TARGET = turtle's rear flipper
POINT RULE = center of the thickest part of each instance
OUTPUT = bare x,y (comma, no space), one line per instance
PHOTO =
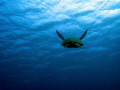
60,35
83,35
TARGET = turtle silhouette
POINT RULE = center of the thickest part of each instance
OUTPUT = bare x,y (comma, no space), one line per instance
72,42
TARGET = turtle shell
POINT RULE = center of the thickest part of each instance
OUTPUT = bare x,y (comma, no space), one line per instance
72,42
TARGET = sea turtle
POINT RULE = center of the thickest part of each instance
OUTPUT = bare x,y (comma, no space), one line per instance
72,42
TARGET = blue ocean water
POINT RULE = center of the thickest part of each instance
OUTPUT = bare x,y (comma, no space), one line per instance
31,55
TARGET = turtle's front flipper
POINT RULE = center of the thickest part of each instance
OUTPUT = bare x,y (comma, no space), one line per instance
83,35
60,35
